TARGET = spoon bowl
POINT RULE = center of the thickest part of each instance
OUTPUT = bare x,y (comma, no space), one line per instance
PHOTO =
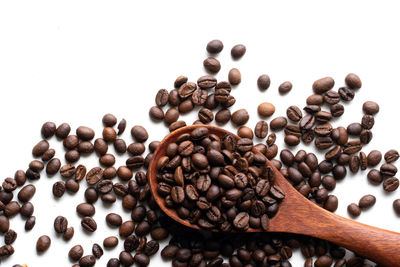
296,214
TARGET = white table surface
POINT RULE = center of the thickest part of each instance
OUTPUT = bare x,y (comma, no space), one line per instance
73,61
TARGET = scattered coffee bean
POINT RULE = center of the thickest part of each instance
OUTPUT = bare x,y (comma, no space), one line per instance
263,82
266,109
238,51
214,46
367,201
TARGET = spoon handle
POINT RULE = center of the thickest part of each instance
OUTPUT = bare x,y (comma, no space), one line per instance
379,245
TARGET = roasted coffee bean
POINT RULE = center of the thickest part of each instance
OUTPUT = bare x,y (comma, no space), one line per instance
176,125
53,166
156,113
307,122
69,233
43,243
366,136
63,130
370,107
223,116
323,85
212,64
121,126
323,261
285,87
139,133
388,169
27,209
353,210
100,146
4,223
126,228
206,115
36,165
85,209
294,113
352,147
374,176
366,201
85,133
261,129
374,157
266,109
11,209
331,97
58,189
161,98
354,164
107,160
340,135
240,117
109,134
97,251
10,236
114,219
48,129
337,110
87,261
346,94
323,116
293,129
315,99
234,76
9,184
353,81
29,224
141,259
20,177
323,142
72,156
199,97
331,203
40,148
238,51
110,242
278,123
76,252
89,224
396,206
367,121
94,175
263,82
292,140
390,184
109,120
241,221
60,224
391,156
245,132
214,46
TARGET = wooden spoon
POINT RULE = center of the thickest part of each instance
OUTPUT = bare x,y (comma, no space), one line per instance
298,215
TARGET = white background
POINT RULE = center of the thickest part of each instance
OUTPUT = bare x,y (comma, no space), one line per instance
73,61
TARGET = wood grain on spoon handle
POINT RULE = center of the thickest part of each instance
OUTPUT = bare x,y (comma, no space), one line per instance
300,216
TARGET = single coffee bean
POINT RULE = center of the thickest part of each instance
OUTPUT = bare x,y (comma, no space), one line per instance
353,210
266,109
156,113
60,224
366,201
323,85
238,51
12,209
89,224
337,110
139,133
366,136
69,233
121,126
388,169
63,130
278,123
141,259
346,94
367,121
331,97
353,81
85,209
240,117
72,156
261,129
161,98
223,116
212,65
263,82
110,242
58,189
43,243
391,156
126,228
323,116
354,164
370,107
285,87
323,261
374,157
206,115
85,133
315,99
20,177
308,121
292,140
396,206
76,252
27,209
234,76
40,148
87,261
53,166
331,203
245,132
390,184
26,193
48,129
294,113
29,224
214,46
10,236
199,97
109,134
94,175
374,176
97,251
241,221
109,120
211,102
4,223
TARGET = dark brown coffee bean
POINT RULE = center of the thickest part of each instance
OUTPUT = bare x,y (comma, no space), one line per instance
374,157
245,132
58,189
388,169
177,194
141,259
366,201
85,133
48,155
278,123
261,129
337,110
331,97
126,228
43,243
363,161
40,148
292,140
390,184
238,51
234,76
20,177
367,121
199,97
48,129
391,156
331,203
186,90
308,122
109,120
353,81
323,85
353,210
110,242
240,117
241,221
76,252
121,126
27,209
285,87
352,147
87,261
107,160
323,116
354,164
89,224
29,224
94,175
370,107
156,113
139,133
315,99
323,142
346,94
63,130
60,224
212,65
11,209
53,166
214,46
9,184
396,206
72,156
223,116
206,115
176,125
69,233
366,136
36,165
161,97
263,82
109,134
323,261
294,113
97,251
374,176
85,209
10,236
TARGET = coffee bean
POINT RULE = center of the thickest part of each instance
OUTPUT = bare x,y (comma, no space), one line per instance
36,165
69,233
352,147
76,252
43,243
391,156
315,99
240,117
87,261
294,113
370,107
323,85
396,206
60,224
354,164
353,81
85,209
388,169
214,46
234,76
139,133
97,251
331,203
285,87
266,109
29,224
292,140
278,123
20,177
337,110
346,94
141,259
121,126
40,148
58,189
109,134
53,166
245,132
27,209
390,184
212,65
85,133
374,176
63,130
110,242
109,120
323,116
353,210
263,82
176,125
10,236
206,115
199,97
323,261
156,113
107,160
331,97
308,122
48,129
89,224
94,175
238,51
374,157
126,228
366,201
72,156
11,209
261,129
223,116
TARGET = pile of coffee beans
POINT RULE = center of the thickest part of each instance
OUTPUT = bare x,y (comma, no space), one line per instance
215,183
218,183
